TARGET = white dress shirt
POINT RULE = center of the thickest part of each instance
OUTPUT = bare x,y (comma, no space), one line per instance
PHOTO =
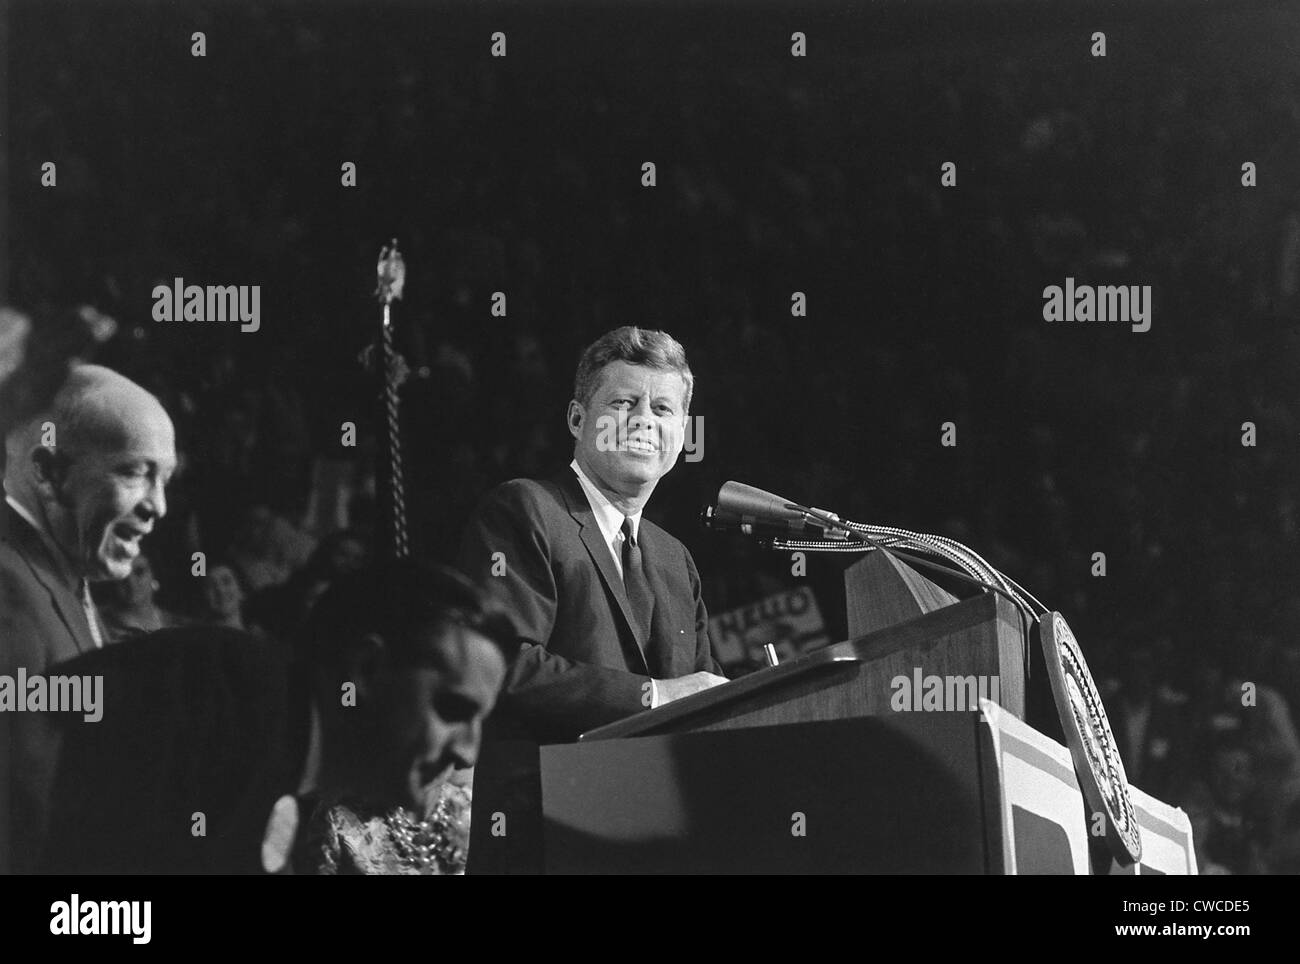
608,517
610,520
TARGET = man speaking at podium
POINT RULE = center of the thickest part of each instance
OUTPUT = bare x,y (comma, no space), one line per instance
608,605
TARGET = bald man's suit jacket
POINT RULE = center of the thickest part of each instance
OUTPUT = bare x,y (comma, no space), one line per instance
42,624
536,546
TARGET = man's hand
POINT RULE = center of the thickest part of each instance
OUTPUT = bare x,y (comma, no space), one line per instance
667,690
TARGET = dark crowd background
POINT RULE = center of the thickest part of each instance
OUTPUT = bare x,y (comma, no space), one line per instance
775,174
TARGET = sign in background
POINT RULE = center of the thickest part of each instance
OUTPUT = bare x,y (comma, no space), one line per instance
790,621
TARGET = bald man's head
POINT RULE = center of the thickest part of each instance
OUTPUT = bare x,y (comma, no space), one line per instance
94,469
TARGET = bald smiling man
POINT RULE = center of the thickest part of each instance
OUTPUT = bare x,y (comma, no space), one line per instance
84,484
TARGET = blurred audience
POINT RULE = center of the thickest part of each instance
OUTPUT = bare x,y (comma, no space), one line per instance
128,607
221,598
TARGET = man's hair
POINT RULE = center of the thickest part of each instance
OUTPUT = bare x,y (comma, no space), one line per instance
636,346
403,602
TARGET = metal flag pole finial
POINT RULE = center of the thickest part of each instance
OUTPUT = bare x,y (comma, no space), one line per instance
392,275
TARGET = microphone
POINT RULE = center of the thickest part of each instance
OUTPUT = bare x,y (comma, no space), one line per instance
756,512
782,524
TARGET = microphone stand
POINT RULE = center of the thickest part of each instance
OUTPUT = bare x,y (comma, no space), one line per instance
842,535
912,548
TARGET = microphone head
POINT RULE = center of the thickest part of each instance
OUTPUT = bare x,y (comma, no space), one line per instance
747,508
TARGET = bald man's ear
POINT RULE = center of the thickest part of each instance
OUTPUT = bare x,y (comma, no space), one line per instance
50,468
575,417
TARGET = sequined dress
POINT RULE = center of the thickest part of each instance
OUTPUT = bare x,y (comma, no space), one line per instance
346,836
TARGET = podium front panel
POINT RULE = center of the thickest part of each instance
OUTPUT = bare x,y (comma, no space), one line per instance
896,794
1041,821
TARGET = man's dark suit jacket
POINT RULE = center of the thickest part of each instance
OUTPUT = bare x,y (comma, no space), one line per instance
581,663
42,624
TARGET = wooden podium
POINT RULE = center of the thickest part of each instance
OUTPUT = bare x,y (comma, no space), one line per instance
813,767
901,625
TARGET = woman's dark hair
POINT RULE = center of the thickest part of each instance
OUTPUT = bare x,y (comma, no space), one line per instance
402,602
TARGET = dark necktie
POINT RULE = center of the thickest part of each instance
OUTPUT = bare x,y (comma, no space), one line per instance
638,589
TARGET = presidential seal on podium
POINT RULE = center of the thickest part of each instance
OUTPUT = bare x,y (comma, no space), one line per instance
1088,735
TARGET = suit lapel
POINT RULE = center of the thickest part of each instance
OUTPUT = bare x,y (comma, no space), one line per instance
664,624
70,611
30,545
601,555
654,553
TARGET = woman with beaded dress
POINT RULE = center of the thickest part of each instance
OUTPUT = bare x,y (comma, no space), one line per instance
346,836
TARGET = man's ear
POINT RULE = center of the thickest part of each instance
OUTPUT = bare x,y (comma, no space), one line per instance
575,416
51,471
364,662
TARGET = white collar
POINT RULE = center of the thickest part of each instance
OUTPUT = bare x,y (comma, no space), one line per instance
608,516
22,511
